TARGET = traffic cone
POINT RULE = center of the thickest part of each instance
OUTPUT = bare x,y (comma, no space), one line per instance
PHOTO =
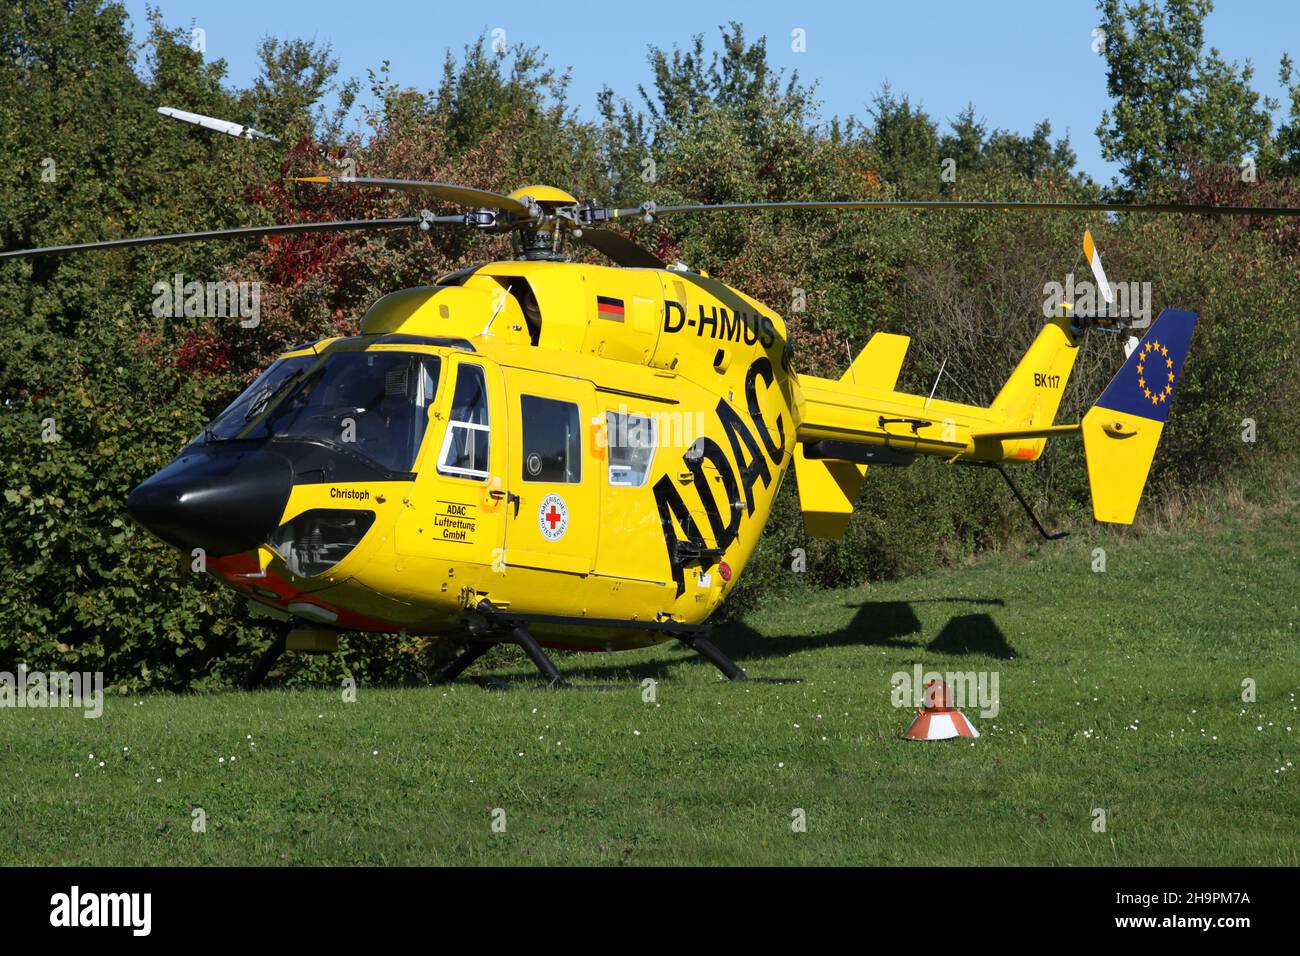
938,719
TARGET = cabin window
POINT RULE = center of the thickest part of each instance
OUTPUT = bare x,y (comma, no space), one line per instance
552,439
631,440
465,447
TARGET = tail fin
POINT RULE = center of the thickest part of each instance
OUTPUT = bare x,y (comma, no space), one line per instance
828,491
1029,399
1032,394
1121,431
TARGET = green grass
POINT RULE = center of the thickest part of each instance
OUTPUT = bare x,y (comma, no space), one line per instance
1120,690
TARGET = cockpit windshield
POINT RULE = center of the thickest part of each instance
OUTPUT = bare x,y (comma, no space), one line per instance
374,404
256,398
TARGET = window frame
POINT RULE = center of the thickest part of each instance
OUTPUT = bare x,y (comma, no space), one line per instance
576,408
456,471
609,445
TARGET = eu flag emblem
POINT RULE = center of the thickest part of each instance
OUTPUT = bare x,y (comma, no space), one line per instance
1145,385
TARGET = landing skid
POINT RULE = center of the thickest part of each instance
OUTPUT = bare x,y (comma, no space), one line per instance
516,625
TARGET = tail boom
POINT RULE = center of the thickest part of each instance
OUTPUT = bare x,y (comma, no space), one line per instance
1120,433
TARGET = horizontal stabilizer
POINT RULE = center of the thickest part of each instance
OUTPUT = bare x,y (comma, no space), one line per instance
1046,431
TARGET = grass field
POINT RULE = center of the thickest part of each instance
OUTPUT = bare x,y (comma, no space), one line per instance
1119,690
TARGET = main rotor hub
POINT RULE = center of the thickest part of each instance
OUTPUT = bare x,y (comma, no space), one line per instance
548,197
542,238
546,243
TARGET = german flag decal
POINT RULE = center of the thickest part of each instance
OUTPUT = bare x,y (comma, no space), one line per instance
608,308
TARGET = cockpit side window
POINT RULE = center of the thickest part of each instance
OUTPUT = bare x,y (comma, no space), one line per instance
465,447
632,440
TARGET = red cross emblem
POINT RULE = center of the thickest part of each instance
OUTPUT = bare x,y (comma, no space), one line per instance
552,517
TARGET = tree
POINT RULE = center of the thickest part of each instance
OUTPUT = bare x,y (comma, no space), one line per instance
975,150
295,77
1174,100
905,143
1286,146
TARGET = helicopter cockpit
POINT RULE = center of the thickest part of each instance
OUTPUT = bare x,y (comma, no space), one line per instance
353,409
374,403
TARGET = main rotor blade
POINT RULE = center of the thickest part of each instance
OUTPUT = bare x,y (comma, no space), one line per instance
981,205
619,248
279,229
461,195
238,130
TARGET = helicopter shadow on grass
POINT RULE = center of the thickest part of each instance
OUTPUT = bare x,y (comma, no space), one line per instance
887,624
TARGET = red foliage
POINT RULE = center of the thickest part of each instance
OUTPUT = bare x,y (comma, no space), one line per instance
290,260
150,344
202,353
1222,184
666,248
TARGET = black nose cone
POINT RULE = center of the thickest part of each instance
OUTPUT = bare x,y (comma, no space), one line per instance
223,500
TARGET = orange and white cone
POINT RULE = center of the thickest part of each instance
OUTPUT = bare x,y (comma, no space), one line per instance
938,719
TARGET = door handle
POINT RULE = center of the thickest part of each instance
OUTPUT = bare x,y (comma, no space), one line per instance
496,494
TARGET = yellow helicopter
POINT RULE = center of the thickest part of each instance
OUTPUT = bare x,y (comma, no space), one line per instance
581,456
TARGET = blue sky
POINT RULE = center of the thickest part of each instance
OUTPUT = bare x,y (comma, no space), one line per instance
1017,61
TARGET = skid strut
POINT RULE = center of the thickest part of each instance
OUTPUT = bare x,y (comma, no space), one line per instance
264,663
538,656
472,652
709,651
520,635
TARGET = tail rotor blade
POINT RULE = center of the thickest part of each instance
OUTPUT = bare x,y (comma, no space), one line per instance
1094,260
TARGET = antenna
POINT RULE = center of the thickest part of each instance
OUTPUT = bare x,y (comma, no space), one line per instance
935,387
500,295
